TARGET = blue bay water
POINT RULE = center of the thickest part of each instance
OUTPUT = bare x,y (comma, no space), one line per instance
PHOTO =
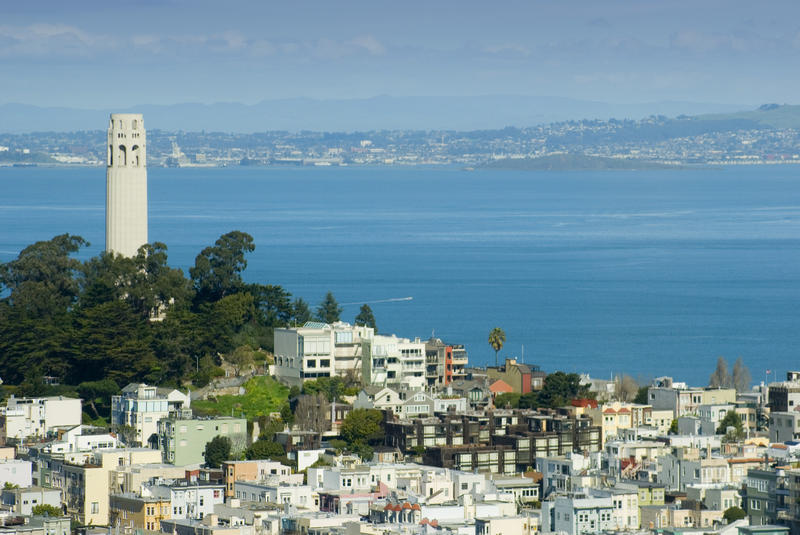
647,273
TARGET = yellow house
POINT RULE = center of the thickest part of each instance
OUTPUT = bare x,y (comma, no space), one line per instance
136,512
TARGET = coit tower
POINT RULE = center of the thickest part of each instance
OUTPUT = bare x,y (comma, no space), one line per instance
126,184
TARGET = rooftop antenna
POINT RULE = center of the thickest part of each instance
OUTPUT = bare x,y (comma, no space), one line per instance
522,358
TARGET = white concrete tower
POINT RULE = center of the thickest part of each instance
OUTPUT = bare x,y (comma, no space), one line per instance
126,184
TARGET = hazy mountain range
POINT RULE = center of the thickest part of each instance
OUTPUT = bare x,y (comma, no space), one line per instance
377,113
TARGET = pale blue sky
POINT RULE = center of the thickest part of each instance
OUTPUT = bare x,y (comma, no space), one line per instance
109,54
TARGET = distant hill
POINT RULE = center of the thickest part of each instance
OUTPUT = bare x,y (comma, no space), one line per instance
573,162
768,115
349,115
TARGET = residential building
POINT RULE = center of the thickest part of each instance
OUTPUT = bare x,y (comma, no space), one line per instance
784,426
183,440
301,496
522,378
141,406
22,500
133,512
340,349
686,401
520,525
577,514
255,470
86,486
765,496
24,418
16,472
187,499
785,396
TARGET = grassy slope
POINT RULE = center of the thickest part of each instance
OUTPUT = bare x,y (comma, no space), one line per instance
262,395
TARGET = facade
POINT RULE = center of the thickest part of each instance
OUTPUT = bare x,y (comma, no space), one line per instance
133,512
24,418
22,500
183,441
16,472
784,426
687,401
126,184
522,378
354,351
248,471
141,407
765,496
578,514
187,500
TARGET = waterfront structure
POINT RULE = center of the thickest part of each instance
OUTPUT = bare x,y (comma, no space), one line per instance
126,184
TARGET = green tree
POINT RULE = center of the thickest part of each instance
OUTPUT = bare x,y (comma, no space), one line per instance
98,393
329,310
332,387
273,304
366,317
217,269
673,427
641,396
560,388
264,449
731,419
218,450
497,337
300,312
732,514
508,399
362,426
41,281
45,509
113,341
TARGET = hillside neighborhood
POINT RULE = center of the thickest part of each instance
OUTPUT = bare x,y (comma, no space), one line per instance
384,435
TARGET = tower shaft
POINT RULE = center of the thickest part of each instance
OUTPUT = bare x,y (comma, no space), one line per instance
126,184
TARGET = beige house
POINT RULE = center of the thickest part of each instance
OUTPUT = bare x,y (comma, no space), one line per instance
86,487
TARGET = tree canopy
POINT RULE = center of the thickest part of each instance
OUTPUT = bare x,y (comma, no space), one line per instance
85,321
217,450
329,310
366,318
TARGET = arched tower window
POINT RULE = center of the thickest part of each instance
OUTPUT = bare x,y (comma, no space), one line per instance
135,155
135,124
123,156
110,155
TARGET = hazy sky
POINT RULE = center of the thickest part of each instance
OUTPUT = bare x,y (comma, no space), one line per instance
92,53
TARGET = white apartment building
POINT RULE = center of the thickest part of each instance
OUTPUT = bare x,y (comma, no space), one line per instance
301,496
578,514
24,418
188,500
82,438
327,350
16,472
141,406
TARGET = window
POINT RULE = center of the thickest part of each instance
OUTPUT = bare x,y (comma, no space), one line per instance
95,508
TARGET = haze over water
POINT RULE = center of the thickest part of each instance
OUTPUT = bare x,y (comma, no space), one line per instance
647,273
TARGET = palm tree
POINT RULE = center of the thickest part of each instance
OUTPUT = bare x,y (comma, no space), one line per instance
497,337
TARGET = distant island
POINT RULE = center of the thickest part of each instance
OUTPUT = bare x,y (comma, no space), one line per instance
574,162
